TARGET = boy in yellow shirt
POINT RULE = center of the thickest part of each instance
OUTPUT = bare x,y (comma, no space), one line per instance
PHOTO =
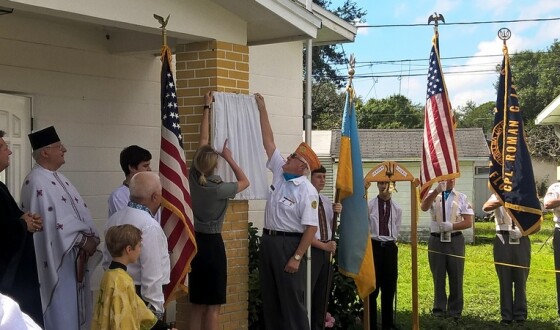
118,305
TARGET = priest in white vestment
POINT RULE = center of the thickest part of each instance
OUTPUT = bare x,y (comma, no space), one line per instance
66,248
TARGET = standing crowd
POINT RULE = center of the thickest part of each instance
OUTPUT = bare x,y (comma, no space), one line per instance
49,245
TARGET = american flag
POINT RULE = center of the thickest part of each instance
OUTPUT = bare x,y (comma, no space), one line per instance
176,215
439,152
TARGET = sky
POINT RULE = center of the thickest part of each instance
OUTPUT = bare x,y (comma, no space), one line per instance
467,79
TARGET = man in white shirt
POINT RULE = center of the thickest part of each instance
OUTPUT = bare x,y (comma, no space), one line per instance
552,202
133,159
385,217
290,223
510,248
451,213
323,247
151,272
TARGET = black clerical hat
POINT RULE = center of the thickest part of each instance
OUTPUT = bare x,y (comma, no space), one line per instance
43,138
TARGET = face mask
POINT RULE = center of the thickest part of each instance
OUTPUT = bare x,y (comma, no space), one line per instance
289,176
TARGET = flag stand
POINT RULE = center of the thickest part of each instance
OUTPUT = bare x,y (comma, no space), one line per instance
389,171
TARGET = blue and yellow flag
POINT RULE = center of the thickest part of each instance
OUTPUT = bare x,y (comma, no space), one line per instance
511,175
355,257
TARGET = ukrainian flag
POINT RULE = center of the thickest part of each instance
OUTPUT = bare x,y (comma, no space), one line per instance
355,257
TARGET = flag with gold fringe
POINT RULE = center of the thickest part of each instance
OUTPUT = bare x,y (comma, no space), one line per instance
176,210
355,256
511,175
439,151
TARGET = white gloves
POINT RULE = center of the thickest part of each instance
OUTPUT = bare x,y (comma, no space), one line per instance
445,226
441,186
515,233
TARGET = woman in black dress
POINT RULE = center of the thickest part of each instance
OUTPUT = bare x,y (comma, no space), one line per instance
210,196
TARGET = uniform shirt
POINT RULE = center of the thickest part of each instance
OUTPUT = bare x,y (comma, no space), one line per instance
152,269
119,199
553,192
501,217
118,306
291,204
394,220
463,207
329,214
209,202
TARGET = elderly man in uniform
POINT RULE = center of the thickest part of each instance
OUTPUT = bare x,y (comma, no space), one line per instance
290,223
448,244
68,240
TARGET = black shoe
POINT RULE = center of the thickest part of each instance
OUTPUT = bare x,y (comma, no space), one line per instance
520,322
505,322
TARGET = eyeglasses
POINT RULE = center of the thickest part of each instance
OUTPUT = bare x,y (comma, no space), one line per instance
59,146
294,155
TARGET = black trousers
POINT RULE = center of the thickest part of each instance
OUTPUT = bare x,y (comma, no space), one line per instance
385,257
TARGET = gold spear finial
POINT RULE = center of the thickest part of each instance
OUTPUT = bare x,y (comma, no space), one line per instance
351,71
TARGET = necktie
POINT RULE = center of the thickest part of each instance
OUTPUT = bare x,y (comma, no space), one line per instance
322,222
384,215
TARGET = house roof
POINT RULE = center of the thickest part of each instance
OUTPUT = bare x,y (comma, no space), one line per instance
550,115
135,30
406,144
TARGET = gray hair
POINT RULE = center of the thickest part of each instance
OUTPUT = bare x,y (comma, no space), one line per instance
143,185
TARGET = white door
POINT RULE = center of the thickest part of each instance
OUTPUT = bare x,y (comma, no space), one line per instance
15,120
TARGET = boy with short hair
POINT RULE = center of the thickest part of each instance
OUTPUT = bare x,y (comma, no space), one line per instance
118,305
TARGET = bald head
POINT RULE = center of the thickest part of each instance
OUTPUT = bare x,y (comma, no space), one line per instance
145,189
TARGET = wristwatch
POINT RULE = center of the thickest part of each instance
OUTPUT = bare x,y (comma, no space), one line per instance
297,257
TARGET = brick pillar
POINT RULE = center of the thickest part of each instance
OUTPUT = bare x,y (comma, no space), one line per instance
224,67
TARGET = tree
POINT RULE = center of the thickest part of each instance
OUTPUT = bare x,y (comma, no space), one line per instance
537,79
472,115
396,111
324,57
328,105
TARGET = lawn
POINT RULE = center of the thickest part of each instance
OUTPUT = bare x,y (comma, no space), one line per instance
481,290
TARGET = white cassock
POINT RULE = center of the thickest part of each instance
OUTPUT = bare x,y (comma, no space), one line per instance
66,303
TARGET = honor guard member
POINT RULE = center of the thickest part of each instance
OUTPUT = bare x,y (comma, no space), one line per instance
510,248
448,245
322,247
290,223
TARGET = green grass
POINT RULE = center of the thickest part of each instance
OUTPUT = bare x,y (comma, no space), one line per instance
481,289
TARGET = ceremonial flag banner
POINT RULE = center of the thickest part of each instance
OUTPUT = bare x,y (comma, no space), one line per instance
511,171
355,257
176,213
439,151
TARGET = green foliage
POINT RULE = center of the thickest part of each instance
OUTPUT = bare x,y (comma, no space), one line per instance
344,304
328,105
255,301
537,79
324,57
395,111
472,115
481,288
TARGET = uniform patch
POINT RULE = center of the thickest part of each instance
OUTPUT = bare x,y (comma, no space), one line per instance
314,204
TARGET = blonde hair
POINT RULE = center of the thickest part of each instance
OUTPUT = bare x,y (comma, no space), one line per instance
118,238
204,162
